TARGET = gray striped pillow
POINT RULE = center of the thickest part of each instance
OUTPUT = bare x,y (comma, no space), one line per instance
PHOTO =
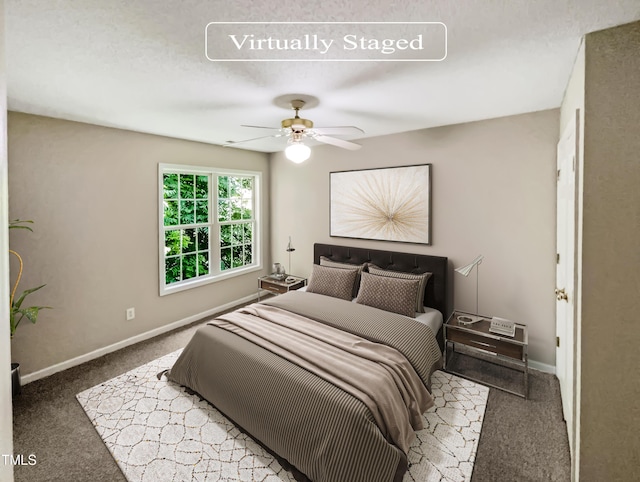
335,282
389,294
423,278
324,261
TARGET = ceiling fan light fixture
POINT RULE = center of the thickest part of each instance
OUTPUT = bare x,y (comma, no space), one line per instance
297,152
297,129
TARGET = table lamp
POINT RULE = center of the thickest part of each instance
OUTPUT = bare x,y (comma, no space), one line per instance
465,271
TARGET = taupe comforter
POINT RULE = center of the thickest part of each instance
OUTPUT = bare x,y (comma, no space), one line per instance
333,414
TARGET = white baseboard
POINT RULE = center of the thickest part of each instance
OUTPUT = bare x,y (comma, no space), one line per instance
543,367
58,367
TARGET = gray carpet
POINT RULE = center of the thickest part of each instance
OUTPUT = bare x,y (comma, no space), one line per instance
523,440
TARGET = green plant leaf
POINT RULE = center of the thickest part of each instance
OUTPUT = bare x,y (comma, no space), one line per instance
17,224
32,312
18,303
17,313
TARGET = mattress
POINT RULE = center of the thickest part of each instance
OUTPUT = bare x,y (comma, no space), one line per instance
431,317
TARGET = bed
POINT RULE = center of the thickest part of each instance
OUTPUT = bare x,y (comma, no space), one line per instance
333,387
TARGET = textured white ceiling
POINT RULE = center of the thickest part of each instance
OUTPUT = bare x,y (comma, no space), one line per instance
140,65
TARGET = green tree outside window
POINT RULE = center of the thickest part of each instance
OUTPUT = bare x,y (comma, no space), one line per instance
198,206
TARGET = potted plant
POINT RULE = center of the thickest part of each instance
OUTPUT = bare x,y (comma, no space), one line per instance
18,311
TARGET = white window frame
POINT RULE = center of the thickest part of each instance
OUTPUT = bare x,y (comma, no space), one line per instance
214,225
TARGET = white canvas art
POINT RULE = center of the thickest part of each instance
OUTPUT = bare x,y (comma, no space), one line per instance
390,204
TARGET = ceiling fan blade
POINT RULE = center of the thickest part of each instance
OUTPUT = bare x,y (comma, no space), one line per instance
338,130
233,143
262,127
337,142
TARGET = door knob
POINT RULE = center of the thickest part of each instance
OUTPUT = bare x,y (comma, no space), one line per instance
561,295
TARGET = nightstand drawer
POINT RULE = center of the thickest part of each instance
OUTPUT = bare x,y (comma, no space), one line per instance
274,288
485,343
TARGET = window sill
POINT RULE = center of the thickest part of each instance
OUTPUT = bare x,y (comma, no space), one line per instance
167,290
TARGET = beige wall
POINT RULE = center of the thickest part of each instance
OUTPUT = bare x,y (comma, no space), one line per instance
610,408
6,428
493,194
92,192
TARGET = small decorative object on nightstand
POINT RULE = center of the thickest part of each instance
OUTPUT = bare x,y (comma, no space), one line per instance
278,271
279,286
483,337
502,326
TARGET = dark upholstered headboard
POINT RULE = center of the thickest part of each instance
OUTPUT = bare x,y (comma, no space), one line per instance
436,289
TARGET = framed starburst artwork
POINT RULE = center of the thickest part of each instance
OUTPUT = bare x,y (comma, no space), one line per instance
390,204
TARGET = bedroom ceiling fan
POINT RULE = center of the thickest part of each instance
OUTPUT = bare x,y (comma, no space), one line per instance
297,130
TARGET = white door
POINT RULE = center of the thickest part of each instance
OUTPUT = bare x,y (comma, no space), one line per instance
565,266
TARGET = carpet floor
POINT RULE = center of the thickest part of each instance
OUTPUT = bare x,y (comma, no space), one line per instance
523,440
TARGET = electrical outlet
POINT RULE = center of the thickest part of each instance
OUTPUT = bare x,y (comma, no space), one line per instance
131,313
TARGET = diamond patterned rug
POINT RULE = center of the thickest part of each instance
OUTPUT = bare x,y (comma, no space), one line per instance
157,432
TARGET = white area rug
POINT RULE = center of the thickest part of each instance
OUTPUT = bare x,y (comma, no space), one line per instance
158,432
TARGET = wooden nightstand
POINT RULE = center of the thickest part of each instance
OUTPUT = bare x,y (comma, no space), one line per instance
278,287
478,337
